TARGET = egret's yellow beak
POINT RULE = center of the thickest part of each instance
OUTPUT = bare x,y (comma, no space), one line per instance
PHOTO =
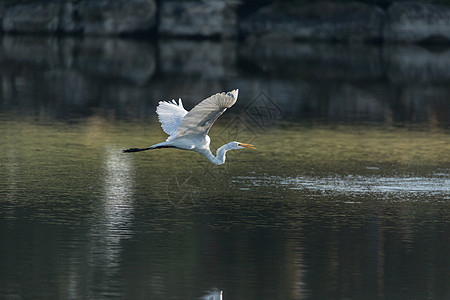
249,146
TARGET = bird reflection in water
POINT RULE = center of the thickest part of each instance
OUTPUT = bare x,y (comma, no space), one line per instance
213,294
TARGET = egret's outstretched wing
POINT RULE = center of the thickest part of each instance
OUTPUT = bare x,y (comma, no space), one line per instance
170,115
200,119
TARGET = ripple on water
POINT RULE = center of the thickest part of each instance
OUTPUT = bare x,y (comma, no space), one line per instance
436,184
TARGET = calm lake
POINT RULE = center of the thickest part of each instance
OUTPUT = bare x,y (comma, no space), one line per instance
347,195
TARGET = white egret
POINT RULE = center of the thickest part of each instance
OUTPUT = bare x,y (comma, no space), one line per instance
189,130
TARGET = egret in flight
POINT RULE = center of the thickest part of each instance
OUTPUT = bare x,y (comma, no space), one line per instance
189,130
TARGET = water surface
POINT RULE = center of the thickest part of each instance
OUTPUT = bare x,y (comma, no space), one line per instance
346,196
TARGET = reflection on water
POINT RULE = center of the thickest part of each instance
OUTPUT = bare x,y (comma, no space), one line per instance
112,226
11,174
346,196
70,77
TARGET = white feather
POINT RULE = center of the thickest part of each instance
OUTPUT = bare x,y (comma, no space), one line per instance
200,119
170,115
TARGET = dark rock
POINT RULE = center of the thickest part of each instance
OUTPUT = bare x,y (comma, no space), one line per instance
70,18
417,22
106,17
36,17
198,18
319,21
101,17
2,11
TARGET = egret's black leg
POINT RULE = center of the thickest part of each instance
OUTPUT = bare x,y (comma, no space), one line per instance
135,150
144,149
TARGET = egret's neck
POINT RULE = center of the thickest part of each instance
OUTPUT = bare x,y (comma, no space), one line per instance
220,156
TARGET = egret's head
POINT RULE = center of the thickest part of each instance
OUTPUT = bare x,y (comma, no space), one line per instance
239,145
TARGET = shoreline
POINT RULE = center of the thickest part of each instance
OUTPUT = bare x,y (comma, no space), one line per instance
349,22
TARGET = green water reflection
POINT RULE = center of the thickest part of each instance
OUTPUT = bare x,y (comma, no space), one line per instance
79,219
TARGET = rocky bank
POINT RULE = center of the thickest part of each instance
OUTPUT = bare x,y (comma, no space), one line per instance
401,21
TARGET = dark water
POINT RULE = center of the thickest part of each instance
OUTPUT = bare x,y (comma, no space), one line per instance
346,197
